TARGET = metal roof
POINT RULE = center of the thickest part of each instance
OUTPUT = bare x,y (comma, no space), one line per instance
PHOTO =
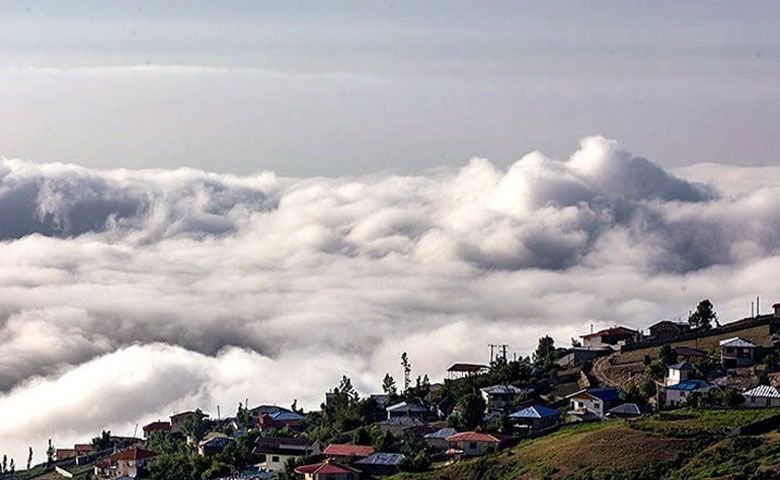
627,409
442,433
765,391
681,366
502,390
406,407
381,458
535,411
737,342
690,385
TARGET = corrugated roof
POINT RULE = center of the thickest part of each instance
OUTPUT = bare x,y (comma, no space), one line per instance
406,407
326,467
466,367
502,390
381,458
442,433
737,342
765,391
690,385
681,366
626,409
611,331
535,411
473,437
346,450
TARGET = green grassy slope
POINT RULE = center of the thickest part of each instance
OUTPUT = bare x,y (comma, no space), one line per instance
651,448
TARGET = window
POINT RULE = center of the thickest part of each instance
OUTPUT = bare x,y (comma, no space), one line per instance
473,445
275,459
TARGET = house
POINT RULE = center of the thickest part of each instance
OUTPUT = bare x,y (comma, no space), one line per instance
613,337
179,419
276,451
64,453
279,420
737,352
576,356
380,399
214,443
677,394
260,410
328,470
499,398
438,439
668,330
381,463
407,409
679,372
158,426
625,410
536,418
762,396
398,425
593,400
342,452
460,370
471,444
132,462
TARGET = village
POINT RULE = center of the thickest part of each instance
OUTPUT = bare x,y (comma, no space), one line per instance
617,374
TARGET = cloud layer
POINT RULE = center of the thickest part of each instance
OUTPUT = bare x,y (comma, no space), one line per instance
131,294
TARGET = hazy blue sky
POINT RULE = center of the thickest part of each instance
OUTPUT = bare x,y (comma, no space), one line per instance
309,88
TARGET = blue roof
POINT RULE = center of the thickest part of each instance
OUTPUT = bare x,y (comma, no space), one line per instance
442,433
689,385
380,458
535,411
286,416
604,394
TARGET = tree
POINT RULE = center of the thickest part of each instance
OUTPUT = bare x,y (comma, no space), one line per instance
647,388
49,454
243,416
704,316
407,366
472,410
12,467
388,386
667,355
29,458
102,442
4,466
361,436
544,356
575,343
196,426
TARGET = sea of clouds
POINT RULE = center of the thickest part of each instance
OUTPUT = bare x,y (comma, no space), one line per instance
130,294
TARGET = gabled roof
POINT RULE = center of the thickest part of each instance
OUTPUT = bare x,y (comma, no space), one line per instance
324,468
283,441
611,331
406,407
766,391
737,342
134,453
535,411
690,385
379,458
189,413
502,390
346,450
286,416
157,427
473,437
603,394
467,367
681,366
626,409
408,422
689,352
442,433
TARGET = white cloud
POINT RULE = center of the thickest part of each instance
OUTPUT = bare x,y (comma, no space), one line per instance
130,294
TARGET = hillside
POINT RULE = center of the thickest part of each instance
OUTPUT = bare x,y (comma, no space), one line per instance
673,446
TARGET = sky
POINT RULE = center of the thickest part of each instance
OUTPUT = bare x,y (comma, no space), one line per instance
333,88
206,202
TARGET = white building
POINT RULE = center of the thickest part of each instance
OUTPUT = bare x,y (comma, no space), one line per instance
679,373
677,395
762,396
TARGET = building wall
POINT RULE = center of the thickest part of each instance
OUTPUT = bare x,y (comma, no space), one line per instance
587,403
472,449
760,402
275,462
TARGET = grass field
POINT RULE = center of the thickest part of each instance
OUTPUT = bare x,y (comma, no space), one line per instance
649,448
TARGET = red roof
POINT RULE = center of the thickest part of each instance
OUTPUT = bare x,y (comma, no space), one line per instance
344,450
158,427
473,437
324,468
134,453
611,331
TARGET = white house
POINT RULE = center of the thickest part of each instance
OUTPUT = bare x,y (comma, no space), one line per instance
278,450
676,395
593,400
471,444
737,352
678,373
762,396
127,463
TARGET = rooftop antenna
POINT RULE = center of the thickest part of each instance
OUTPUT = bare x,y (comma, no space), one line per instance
135,432
492,346
503,350
218,414
752,310
758,306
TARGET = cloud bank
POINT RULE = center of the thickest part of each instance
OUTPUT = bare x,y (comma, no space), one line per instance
128,295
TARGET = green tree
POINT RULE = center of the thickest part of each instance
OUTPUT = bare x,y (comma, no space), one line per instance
102,442
667,355
50,454
407,367
472,410
243,416
29,458
545,355
388,386
704,316
647,388
361,436
196,426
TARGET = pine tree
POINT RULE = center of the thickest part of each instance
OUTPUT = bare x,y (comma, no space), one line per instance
49,454
29,459
388,385
407,366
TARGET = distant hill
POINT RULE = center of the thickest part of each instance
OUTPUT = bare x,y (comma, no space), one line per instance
677,445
